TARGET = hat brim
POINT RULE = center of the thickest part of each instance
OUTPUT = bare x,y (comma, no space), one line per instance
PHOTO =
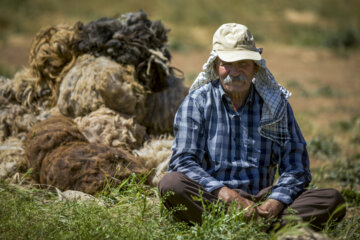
234,56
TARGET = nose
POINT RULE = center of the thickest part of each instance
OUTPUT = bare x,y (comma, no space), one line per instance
234,70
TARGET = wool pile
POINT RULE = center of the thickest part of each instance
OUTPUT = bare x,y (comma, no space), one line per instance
12,157
132,39
47,135
62,157
51,54
91,94
98,82
86,167
111,128
155,156
162,106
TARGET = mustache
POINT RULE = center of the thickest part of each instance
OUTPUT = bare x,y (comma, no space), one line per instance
230,79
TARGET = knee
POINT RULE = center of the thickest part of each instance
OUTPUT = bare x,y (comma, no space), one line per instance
336,198
172,182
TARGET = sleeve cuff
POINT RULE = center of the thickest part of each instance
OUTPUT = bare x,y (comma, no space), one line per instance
213,186
281,196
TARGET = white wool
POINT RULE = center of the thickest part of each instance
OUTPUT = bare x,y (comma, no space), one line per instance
111,128
95,82
156,155
12,157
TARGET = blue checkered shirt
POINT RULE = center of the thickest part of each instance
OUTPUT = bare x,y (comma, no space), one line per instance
217,146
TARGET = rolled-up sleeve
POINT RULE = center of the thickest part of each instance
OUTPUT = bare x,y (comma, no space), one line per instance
189,145
293,164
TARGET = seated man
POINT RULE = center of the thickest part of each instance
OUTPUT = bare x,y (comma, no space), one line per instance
232,132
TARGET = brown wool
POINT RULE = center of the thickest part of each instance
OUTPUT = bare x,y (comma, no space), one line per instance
47,135
51,54
86,167
162,106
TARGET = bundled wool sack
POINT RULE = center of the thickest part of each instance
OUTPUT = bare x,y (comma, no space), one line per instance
47,135
51,54
12,157
161,107
86,167
132,39
111,128
95,82
155,156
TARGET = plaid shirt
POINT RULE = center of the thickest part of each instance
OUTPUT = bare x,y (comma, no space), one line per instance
216,146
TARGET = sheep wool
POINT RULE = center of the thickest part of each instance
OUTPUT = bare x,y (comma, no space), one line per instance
162,106
111,128
155,156
12,157
27,94
47,135
86,167
52,53
94,82
15,120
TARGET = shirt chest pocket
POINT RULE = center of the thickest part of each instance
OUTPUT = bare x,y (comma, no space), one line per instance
252,153
258,153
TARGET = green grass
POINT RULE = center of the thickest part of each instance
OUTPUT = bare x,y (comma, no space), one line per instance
133,210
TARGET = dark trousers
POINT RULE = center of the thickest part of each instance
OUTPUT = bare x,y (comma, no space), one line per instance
313,206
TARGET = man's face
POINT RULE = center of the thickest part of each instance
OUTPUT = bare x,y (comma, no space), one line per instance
235,77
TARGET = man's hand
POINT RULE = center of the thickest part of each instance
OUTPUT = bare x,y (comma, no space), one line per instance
228,195
270,208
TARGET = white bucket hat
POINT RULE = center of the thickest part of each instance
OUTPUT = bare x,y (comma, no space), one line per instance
234,42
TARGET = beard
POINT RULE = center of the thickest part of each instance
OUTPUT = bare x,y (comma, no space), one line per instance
232,79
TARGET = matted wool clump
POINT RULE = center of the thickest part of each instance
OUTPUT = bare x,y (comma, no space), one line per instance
155,156
12,157
6,91
86,167
27,94
47,135
131,39
15,120
111,128
161,107
51,54
95,82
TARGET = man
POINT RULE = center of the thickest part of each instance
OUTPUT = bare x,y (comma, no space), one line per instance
231,133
